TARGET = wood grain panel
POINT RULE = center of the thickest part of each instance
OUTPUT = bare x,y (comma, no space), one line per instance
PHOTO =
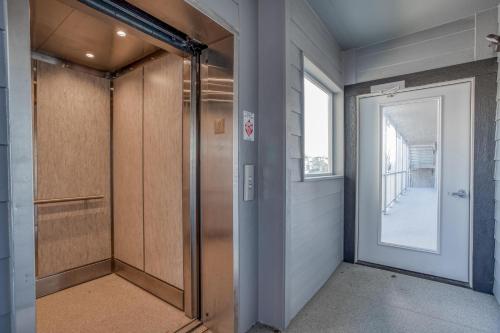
163,169
72,133
127,169
72,160
71,235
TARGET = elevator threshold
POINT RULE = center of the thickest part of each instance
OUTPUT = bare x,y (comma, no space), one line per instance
108,304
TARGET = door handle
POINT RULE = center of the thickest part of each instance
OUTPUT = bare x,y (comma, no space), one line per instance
459,194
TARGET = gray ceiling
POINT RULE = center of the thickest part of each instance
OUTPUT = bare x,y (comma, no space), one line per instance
356,23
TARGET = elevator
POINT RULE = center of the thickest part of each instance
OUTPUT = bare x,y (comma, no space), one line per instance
133,167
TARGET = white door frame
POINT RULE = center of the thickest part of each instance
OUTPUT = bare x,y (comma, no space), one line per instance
471,161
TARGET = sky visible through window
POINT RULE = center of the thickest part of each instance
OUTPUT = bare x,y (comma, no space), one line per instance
316,128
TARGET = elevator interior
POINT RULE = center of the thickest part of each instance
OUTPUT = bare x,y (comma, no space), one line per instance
125,155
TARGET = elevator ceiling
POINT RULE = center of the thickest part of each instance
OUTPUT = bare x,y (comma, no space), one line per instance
185,18
60,30
71,31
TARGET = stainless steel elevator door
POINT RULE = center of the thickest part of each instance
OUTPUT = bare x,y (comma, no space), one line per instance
216,163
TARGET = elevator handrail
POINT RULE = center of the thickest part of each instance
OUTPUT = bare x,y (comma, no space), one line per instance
47,201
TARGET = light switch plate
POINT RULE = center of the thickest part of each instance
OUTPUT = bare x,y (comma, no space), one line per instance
249,186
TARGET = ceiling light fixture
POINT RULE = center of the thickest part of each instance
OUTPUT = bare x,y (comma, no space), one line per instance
90,55
121,33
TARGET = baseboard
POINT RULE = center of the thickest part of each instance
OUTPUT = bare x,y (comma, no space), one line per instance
153,285
70,278
415,274
73,277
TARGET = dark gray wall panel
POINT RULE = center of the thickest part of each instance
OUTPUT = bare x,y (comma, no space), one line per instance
350,141
484,186
485,72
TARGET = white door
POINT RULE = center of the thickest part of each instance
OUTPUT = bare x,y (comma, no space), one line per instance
414,180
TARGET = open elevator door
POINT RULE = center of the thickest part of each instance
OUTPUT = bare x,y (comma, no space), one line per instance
216,180
207,145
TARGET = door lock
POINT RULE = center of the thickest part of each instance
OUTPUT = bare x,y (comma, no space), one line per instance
459,194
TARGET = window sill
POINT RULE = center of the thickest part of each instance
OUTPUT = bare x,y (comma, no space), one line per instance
320,178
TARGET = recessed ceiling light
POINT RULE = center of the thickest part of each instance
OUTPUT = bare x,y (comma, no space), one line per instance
90,55
121,33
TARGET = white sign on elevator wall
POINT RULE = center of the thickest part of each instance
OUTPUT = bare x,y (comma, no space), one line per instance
248,126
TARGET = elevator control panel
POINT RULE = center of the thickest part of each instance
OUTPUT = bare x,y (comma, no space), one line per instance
249,187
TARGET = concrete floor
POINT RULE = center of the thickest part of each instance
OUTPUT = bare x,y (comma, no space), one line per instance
359,299
412,220
109,304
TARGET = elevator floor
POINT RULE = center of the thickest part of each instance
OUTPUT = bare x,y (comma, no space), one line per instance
109,304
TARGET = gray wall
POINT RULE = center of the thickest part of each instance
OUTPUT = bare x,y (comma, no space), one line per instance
449,44
5,298
20,166
272,166
485,72
496,285
314,209
248,211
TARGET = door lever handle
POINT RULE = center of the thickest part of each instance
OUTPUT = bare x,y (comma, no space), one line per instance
459,194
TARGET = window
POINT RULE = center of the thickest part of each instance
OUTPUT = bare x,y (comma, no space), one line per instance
318,123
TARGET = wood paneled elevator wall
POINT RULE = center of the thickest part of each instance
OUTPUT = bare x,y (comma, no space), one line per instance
147,168
72,140
80,123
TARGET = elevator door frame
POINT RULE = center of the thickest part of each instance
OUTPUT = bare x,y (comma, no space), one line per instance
22,234
191,190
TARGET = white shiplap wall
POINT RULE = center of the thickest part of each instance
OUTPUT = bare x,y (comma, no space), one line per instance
496,285
453,43
314,209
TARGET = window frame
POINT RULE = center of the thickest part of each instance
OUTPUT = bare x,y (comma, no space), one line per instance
331,128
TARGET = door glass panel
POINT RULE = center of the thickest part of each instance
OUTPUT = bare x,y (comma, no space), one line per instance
410,175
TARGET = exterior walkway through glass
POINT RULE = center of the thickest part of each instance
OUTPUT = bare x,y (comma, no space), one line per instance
412,220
